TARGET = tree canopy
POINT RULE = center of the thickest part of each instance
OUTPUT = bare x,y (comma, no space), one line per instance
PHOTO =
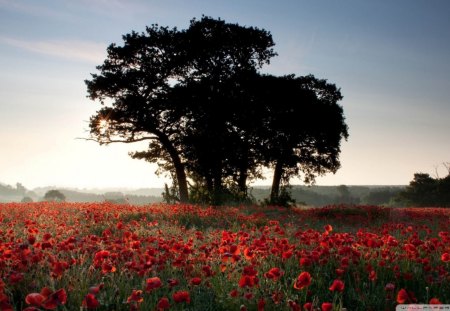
425,190
54,195
212,120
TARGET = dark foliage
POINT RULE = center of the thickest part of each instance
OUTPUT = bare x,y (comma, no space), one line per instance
212,120
424,190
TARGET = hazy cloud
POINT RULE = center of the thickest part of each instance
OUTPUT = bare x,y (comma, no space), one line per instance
74,50
34,9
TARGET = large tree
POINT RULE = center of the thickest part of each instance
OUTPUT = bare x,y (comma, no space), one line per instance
135,82
221,142
247,121
303,128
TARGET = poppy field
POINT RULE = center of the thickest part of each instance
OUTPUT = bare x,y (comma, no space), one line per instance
102,256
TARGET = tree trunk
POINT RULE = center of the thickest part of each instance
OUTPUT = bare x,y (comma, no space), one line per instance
242,183
182,182
277,174
179,168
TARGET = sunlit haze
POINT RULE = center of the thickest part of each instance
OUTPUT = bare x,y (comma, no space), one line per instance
391,60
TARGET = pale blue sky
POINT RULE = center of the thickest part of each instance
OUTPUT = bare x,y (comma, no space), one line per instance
391,60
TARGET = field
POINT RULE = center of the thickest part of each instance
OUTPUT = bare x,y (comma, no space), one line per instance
67,256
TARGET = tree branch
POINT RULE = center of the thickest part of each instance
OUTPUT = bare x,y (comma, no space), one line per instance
120,141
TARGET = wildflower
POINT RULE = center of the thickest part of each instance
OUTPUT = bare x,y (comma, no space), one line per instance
274,274
136,296
337,285
173,282
47,298
305,261
181,296
445,257
152,283
261,304
303,280
404,296
90,302
372,275
34,299
327,306
163,304
435,301
234,293
249,277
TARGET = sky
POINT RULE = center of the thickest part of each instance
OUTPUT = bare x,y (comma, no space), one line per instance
391,60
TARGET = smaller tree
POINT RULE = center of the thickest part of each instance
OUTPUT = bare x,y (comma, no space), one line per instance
425,190
54,195
27,199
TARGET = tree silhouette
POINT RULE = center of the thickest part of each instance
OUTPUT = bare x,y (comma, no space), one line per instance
301,129
210,117
425,190
54,195
135,82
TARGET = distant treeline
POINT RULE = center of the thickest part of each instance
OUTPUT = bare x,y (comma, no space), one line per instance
19,193
423,190
313,195
327,195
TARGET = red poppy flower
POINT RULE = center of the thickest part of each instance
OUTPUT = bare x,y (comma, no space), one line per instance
303,280
248,253
90,302
248,281
287,254
15,278
308,306
173,282
196,281
107,267
207,270
58,268
136,296
34,299
445,257
54,299
294,306
372,275
31,239
340,272
261,304
152,283
305,261
234,293
163,304
435,301
337,285
181,296
4,300
404,296
274,274
327,306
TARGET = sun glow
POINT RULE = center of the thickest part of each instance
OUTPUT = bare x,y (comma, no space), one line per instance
103,126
